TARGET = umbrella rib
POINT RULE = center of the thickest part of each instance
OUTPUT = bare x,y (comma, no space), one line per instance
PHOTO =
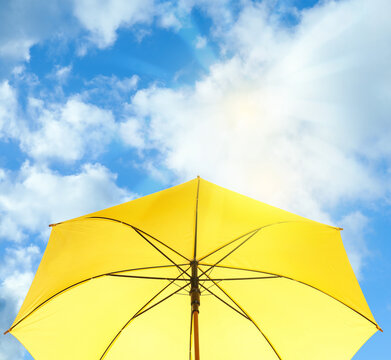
205,278
223,301
262,227
166,256
160,301
182,279
81,282
181,273
139,312
303,283
148,277
237,247
139,231
244,278
227,244
202,292
249,318
238,268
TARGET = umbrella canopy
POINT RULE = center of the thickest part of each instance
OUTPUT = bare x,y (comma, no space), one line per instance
269,284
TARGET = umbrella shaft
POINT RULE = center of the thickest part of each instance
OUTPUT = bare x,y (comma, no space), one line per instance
195,303
195,289
196,340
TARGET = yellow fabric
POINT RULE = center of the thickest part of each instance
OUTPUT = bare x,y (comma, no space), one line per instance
78,251
310,307
168,215
306,252
299,322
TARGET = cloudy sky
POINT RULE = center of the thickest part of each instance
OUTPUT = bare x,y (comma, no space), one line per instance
286,101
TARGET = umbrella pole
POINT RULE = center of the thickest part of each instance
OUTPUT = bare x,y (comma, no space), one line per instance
195,303
196,341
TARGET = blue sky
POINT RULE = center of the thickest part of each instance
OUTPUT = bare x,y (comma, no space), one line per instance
284,101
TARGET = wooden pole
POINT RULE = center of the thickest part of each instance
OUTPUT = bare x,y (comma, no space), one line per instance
195,303
196,340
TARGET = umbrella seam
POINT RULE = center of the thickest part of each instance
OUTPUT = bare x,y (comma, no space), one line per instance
138,231
265,226
196,219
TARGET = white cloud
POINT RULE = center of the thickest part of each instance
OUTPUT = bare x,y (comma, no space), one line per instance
67,131
200,42
62,73
168,16
220,11
297,117
19,49
8,110
74,129
25,23
16,274
131,133
37,196
111,88
71,130
355,227
103,18
126,84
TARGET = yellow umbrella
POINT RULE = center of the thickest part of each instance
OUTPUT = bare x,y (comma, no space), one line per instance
115,284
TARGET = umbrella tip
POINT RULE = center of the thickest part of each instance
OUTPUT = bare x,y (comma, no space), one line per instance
198,177
7,332
379,328
339,228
